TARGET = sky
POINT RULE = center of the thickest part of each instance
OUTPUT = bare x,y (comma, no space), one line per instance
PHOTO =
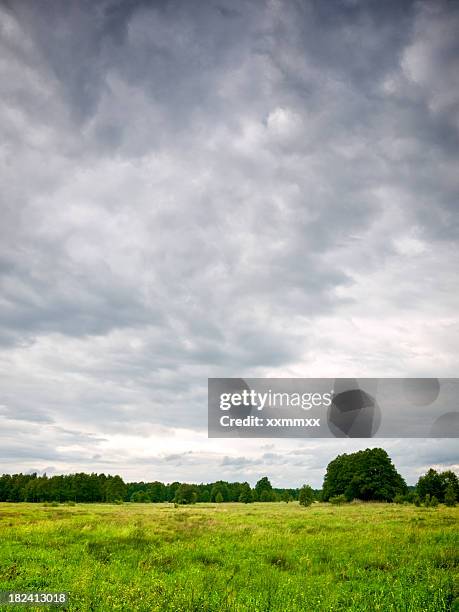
220,188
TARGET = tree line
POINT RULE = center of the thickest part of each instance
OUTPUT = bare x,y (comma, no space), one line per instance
367,475
83,487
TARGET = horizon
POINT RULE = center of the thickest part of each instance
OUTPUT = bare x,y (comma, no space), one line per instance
251,481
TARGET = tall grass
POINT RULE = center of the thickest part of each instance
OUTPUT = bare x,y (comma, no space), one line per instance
233,557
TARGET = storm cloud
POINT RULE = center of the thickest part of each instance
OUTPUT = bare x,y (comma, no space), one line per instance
198,189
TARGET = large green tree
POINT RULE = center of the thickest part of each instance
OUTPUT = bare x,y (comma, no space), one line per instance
366,475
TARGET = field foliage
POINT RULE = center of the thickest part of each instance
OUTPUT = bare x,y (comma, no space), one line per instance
233,557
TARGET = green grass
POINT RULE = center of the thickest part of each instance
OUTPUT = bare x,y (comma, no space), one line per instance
233,557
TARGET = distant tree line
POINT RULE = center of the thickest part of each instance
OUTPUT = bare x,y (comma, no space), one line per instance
73,487
83,487
367,475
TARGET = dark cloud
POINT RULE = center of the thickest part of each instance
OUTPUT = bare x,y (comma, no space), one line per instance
219,188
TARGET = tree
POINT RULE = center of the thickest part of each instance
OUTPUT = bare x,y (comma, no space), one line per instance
246,494
436,484
449,479
264,491
366,475
186,494
114,488
306,496
205,496
263,484
156,491
140,497
171,490
219,498
219,487
450,496
430,484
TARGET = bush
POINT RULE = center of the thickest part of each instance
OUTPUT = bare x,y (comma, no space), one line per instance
430,502
306,496
338,500
138,497
219,498
399,499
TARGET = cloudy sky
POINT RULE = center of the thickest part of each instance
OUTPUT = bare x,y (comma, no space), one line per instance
220,188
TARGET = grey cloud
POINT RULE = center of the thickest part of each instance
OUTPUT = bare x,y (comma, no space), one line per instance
25,413
231,188
237,462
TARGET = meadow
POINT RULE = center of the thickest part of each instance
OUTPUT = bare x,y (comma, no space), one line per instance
233,557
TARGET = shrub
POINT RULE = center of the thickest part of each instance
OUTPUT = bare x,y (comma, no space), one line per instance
219,498
399,499
139,497
337,500
433,502
306,496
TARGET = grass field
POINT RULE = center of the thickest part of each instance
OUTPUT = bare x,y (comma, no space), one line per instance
213,557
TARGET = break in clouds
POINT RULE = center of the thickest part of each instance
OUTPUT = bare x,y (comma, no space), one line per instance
196,189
